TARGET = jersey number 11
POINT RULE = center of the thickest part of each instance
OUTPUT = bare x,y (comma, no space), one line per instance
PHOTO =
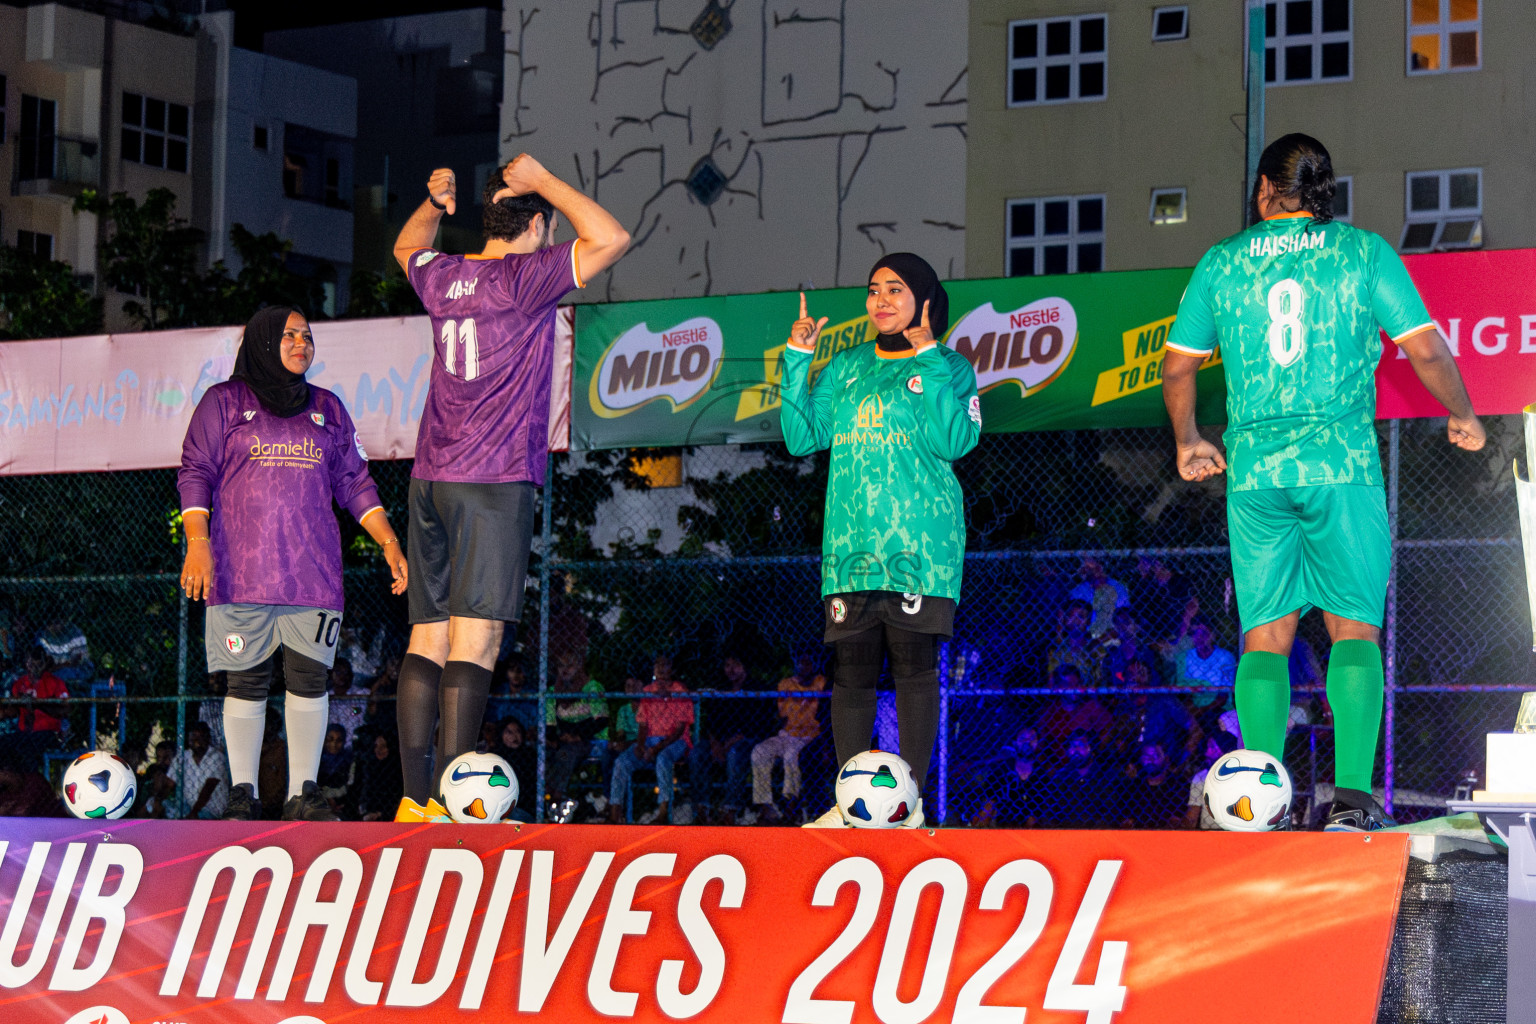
455,333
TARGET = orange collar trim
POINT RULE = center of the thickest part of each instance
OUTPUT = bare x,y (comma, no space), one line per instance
1288,216
882,354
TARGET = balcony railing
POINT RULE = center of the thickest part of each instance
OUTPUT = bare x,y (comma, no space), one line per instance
54,165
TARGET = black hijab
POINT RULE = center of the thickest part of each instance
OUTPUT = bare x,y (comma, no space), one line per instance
924,285
260,364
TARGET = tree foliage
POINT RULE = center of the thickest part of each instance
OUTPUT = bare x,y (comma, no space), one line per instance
42,298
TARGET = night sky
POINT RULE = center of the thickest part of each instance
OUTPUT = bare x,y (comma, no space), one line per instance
253,18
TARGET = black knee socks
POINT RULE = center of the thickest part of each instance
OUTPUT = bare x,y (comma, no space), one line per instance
462,698
914,671
416,713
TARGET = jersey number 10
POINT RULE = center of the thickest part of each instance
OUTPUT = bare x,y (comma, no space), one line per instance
1287,334
455,333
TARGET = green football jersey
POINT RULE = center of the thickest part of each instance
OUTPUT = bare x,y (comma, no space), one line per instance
1297,308
894,516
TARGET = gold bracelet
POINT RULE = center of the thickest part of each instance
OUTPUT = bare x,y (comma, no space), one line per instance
191,538
392,540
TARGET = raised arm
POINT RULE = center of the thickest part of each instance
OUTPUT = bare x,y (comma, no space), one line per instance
1436,367
805,417
420,230
951,407
602,238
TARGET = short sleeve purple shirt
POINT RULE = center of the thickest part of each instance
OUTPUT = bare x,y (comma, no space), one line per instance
493,325
267,483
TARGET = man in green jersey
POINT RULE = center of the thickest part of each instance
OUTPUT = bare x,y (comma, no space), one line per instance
1297,303
896,412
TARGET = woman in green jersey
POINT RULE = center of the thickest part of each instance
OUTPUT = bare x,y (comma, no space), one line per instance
896,412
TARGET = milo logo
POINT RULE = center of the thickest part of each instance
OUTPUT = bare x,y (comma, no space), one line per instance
645,365
1029,346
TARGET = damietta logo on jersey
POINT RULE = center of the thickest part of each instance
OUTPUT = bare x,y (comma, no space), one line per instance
643,366
1029,346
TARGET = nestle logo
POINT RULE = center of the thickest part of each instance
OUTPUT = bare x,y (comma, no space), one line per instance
684,337
1035,317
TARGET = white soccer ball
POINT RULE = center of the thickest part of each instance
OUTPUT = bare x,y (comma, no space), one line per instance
1248,791
479,789
876,790
99,785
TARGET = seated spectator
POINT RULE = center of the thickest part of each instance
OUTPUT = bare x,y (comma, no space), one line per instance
25,793
1160,596
202,776
1071,713
335,770
1195,814
1122,645
1197,661
348,702
728,729
1081,794
379,713
664,723
622,733
571,725
65,646
1155,796
512,747
156,794
1155,718
1074,646
1015,793
376,781
39,726
800,727
1102,594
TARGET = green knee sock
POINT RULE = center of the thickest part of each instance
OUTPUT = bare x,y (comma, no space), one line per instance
1264,701
1356,686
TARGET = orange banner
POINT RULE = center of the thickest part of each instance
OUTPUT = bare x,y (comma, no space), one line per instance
302,923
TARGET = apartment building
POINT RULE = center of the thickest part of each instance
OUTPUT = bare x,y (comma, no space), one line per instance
92,101
1109,135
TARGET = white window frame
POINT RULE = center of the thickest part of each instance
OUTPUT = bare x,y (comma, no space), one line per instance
1158,12
1317,39
1073,239
1074,59
1347,181
1443,28
1443,215
1179,217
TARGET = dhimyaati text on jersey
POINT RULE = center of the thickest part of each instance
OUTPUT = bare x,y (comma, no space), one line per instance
894,516
1297,308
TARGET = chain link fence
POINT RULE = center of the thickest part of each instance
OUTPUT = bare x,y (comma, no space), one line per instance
1053,713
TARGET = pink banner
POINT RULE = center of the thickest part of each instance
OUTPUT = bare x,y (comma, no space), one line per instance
1485,305
122,401
219,922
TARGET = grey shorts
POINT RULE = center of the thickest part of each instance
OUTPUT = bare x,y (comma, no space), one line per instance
468,546
242,636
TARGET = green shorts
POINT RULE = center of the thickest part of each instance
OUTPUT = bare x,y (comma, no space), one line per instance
1300,548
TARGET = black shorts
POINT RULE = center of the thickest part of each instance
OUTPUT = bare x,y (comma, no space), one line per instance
468,550
848,615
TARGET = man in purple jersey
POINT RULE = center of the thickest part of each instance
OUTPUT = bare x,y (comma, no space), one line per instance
483,442
264,456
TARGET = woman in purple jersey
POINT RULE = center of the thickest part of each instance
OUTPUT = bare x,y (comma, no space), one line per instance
264,457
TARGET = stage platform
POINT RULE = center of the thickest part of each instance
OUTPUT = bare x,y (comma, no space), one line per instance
143,921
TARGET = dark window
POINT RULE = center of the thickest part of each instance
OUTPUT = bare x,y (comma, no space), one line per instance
1090,80
1058,38
1058,82
35,243
1059,60
1090,215
1271,16
1170,24
1056,259
155,132
259,137
1269,65
1298,18
36,138
317,167
1021,263
1090,257
1420,236
1057,217
1026,40
1021,221
1298,63
1335,15
1090,33
1335,60
1024,85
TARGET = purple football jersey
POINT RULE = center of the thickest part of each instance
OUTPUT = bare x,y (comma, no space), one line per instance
493,325
267,482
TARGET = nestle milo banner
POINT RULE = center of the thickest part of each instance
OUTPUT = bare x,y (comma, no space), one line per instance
1050,353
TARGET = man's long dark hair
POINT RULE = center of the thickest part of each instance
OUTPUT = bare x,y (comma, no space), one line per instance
1299,168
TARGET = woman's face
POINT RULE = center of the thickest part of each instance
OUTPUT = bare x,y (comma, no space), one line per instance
381,748
297,348
890,303
512,736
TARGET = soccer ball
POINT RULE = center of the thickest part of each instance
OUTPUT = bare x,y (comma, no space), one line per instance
876,790
99,785
479,789
1248,791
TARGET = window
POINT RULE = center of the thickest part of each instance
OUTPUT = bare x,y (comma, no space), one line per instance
1307,41
1170,23
1060,235
1057,60
259,137
1445,210
1343,204
317,167
1444,35
155,132
36,139
1169,206
36,243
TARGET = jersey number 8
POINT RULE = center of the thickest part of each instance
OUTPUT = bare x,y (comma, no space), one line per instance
454,333
1287,334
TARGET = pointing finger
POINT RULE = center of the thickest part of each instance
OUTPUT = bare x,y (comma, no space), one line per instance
925,314
804,314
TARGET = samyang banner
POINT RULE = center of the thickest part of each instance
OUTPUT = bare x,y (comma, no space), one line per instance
300,923
123,401
1050,353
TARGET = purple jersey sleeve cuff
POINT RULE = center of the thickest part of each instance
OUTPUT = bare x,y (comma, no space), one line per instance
364,501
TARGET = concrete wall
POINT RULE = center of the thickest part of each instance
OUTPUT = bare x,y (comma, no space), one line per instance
839,128
1175,114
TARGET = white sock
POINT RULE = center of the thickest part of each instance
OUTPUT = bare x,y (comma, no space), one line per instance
306,719
244,723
